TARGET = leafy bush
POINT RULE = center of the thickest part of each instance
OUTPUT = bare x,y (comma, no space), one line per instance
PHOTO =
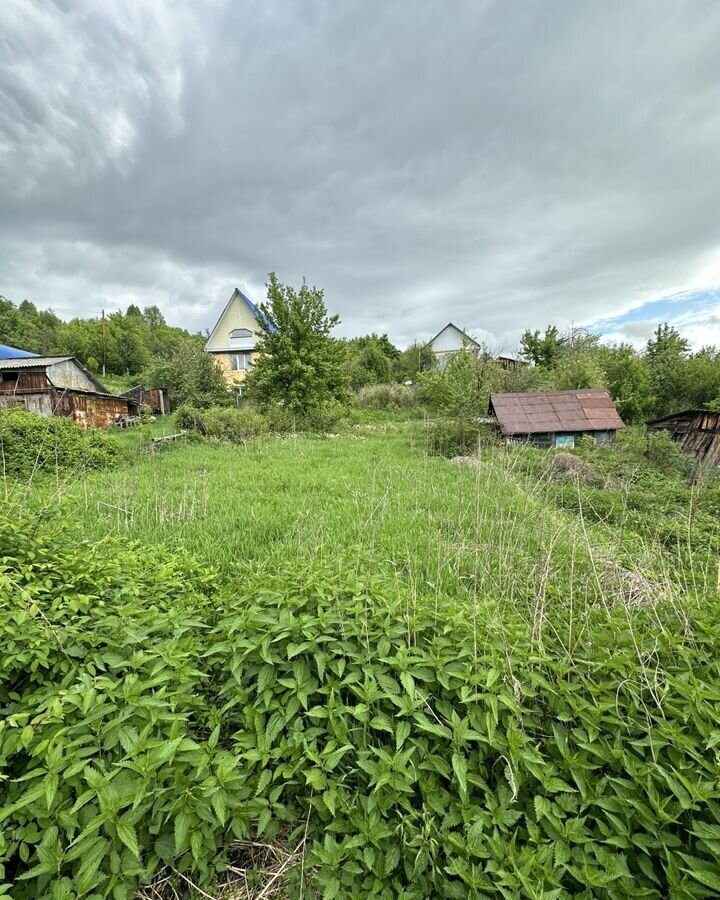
30,443
386,396
238,425
327,416
457,437
105,736
665,454
150,715
222,423
432,764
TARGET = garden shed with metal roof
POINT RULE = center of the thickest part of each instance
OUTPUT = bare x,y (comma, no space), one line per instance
556,418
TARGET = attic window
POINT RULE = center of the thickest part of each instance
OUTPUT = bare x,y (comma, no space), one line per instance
240,333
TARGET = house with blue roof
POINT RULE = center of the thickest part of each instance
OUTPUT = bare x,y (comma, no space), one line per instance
233,341
14,353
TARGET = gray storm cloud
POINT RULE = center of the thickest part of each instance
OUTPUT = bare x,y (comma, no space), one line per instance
500,165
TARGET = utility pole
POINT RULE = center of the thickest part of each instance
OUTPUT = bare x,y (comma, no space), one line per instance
104,344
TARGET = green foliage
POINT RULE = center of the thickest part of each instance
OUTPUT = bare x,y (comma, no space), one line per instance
628,380
299,362
121,344
578,369
462,389
412,361
542,350
32,443
106,741
152,714
457,436
192,377
370,360
322,418
666,354
666,455
387,396
222,423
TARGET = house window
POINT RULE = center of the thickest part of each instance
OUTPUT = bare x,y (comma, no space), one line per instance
565,440
240,362
240,333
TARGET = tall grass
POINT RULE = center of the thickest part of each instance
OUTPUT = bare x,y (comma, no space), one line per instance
442,680
455,536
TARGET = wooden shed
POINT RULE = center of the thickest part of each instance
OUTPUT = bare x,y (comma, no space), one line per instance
696,430
556,418
59,386
156,398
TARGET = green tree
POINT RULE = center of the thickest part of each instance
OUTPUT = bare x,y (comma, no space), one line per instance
369,360
299,363
191,376
666,354
153,316
462,389
127,353
412,361
702,377
542,350
578,369
628,380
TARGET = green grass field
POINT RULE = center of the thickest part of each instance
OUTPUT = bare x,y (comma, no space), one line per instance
450,533
402,676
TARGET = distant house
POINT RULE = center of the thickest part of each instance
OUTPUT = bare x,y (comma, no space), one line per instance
59,386
509,362
556,418
449,341
14,353
697,431
233,340
156,398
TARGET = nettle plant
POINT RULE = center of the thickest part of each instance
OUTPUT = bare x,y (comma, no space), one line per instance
151,715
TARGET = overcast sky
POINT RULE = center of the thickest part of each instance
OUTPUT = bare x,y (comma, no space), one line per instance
501,165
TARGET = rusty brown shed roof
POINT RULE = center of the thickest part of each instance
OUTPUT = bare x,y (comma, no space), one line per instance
555,411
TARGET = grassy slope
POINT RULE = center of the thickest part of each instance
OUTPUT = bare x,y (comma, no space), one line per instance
451,533
484,543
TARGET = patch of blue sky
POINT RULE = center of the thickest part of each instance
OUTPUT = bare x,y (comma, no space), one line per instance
685,308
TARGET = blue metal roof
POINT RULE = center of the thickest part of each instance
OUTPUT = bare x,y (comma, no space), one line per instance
13,353
259,316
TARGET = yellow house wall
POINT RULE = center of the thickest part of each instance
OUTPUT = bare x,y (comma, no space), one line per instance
232,375
237,315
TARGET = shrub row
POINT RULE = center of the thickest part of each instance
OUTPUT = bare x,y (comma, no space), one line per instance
387,396
149,715
223,423
30,443
238,425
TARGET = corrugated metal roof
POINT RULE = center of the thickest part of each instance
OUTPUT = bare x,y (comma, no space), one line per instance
32,362
555,411
7,352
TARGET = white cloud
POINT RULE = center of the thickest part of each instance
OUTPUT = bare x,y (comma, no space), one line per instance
503,167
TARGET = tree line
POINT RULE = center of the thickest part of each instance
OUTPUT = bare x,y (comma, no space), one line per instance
124,347
302,364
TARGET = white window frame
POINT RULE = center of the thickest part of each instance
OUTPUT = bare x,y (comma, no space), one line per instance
241,362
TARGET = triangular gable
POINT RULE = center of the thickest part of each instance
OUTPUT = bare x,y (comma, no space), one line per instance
237,296
99,386
470,342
